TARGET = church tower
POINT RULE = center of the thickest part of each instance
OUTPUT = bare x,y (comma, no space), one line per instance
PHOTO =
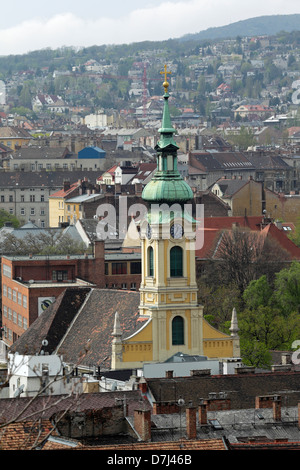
168,290
169,311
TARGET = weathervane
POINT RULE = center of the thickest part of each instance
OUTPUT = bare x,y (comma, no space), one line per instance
165,84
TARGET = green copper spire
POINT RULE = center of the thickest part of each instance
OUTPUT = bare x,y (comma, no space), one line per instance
167,185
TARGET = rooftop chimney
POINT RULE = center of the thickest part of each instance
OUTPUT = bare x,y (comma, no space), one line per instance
67,185
202,413
277,408
142,424
191,425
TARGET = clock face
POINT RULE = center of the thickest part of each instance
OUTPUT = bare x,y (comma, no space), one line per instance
149,231
176,231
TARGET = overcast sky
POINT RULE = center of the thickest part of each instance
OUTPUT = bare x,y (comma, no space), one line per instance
35,24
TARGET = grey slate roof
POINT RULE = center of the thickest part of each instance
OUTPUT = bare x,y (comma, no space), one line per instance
79,324
236,425
240,389
50,179
43,153
268,162
213,160
230,187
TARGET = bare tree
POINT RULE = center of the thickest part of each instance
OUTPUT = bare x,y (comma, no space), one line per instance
243,255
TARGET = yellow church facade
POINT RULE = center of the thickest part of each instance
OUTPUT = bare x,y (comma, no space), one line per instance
171,318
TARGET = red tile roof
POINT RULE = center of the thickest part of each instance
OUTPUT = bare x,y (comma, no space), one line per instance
182,445
25,435
64,193
213,227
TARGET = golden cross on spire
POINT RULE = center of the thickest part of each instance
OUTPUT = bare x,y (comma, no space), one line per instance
165,84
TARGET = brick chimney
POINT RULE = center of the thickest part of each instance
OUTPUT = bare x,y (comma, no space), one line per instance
270,401
191,422
142,424
202,413
277,408
98,249
67,185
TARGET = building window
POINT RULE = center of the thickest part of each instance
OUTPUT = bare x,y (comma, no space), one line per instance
19,298
5,311
150,262
124,285
176,265
59,275
22,198
177,330
22,211
32,198
4,290
106,269
119,268
32,211
14,295
24,301
133,286
135,267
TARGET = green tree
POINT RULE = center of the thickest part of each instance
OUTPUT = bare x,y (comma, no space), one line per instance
25,96
5,217
255,354
258,293
287,289
218,303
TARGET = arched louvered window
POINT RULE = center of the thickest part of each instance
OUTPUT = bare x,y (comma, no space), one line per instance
150,262
176,264
177,330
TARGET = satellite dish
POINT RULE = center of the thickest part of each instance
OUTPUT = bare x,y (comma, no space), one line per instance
181,402
44,342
